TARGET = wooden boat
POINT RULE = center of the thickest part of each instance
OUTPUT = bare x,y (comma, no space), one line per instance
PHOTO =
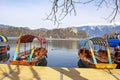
115,44
4,48
32,56
95,53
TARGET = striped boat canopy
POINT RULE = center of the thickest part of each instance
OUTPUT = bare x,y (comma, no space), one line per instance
84,41
3,38
95,40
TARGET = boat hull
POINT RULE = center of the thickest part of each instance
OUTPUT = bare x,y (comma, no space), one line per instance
40,62
108,66
15,62
87,62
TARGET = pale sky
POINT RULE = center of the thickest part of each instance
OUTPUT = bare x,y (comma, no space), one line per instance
30,13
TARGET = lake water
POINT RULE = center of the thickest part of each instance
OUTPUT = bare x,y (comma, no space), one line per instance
61,53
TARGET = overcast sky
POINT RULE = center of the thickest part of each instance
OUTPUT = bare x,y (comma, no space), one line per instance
31,13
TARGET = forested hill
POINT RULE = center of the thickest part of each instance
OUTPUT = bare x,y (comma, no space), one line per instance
72,32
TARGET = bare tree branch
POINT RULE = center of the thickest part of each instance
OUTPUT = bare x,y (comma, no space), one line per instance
89,1
115,11
61,8
100,3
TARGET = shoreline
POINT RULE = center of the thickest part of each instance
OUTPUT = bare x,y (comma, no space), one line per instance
15,38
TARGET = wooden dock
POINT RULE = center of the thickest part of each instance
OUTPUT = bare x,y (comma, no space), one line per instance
17,72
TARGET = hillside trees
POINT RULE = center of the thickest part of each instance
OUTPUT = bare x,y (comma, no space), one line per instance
55,33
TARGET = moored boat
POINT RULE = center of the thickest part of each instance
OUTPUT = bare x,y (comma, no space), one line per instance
94,52
4,48
115,44
34,54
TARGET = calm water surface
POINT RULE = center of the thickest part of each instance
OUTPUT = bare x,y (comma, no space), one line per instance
61,53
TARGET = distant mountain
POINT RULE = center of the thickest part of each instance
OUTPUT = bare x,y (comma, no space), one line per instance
43,29
99,30
5,26
70,32
12,31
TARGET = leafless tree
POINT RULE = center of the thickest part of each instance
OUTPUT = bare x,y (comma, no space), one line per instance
61,8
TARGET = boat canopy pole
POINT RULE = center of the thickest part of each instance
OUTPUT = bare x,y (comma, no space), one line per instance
92,52
109,57
31,54
17,48
25,48
30,46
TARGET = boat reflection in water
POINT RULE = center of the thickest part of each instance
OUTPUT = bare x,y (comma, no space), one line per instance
4,58
81,64
42,62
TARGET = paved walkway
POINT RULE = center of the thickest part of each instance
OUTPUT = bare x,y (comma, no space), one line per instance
16,72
